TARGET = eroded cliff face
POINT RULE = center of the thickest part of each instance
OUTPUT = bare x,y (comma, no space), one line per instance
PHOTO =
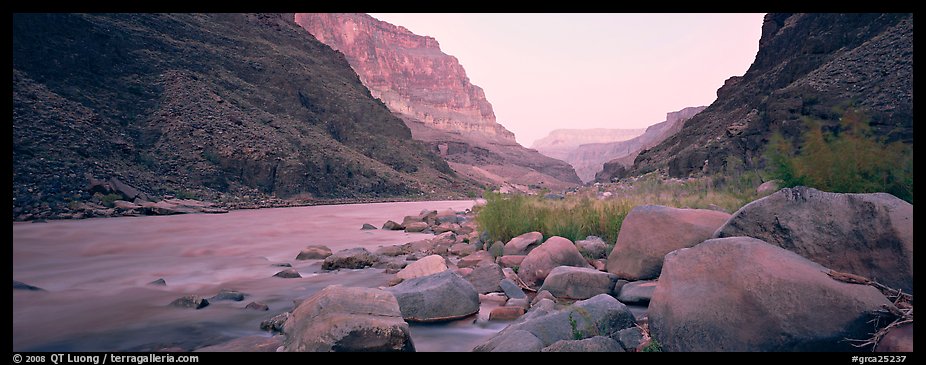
408,72
561,142
430,91
807,66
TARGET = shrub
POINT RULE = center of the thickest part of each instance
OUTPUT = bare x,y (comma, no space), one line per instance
847,159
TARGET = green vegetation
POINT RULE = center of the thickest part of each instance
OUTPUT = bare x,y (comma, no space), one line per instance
579,216
848,159
652,346
109,200
576,334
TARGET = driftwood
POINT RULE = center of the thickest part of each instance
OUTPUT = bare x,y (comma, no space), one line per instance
900,312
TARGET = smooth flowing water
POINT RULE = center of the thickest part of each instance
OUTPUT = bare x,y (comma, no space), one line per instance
95,274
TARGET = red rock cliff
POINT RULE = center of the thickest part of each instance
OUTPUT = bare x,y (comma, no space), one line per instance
408,72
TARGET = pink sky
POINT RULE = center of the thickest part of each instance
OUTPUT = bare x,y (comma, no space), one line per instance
547,71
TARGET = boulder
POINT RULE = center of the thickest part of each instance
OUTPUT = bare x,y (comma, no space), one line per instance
124,205
353,258
339,319
599,264
600,315
288,274
511,261
485,277
592,247
897,339
475,259
438,297
743,294
543,294
392,226
190,301
523,244
496,249
629,338
246,344
462,249
591,344
258,306
649,232
391,265
511,289
158,282
447,216
367,227
637,292
127,191
578,282
227,294
556,251
314,252
506,313
519,341
394,250
414,227
425,266
768,187
445,227
519,302
864,234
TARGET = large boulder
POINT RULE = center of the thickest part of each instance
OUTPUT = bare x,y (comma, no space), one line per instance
556,251
485,277
523,244
425,266
352,258
864,234
412,227
578,282
438,297
314,252
347,319
742,294
649,232
600,315
591,344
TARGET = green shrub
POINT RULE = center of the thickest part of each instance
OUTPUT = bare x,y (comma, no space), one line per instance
848,159
109,200
652,346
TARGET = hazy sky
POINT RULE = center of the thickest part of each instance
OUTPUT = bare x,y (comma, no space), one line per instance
547,71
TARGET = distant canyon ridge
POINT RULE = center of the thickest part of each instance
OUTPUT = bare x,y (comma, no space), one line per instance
590,150
430,91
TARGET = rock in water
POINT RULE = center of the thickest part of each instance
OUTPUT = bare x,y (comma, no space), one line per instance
258,306
864,234
742,294
353,258
314,252
428,265
288,274
226,294
392,226
190,301
600,315
413,227
158,282
637,292
649,232
343,319
367,227
592,344
18,285
578,282
438,297
506,313
523,244
556,251
276,323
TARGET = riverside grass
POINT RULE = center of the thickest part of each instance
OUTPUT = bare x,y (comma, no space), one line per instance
581,215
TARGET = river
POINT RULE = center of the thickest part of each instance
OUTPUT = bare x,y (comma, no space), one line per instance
95,273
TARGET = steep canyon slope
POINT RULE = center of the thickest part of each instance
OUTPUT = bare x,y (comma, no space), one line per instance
431,92
807,66
213,106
